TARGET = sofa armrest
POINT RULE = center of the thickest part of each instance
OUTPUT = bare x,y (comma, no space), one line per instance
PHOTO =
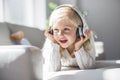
17,62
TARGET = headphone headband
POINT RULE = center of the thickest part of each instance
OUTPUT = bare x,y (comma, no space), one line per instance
74,8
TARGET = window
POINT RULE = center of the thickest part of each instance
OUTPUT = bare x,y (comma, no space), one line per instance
30,13
1,11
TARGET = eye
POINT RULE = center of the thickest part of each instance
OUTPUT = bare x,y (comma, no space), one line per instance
66,29
55,30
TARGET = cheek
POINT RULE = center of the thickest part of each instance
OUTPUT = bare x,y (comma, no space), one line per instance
55,37
71,37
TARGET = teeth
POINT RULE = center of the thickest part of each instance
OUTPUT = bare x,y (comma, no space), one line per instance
62,39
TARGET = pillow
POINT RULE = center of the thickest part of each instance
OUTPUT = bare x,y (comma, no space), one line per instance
4,35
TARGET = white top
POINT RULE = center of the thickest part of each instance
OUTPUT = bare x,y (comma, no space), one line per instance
67,60
53,61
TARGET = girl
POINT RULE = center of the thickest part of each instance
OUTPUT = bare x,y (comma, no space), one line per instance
69,41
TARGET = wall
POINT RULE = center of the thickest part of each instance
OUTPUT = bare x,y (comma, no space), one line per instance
103,17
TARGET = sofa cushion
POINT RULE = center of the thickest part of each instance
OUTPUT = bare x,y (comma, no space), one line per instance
4,35
92,74
105,70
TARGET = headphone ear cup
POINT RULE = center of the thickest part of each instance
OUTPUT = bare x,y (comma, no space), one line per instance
51,30
80,32
77,33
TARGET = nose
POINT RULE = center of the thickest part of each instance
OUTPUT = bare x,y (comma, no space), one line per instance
60,33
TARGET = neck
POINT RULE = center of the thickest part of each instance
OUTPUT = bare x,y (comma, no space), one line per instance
71,51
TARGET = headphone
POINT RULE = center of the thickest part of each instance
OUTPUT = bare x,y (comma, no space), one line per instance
80,30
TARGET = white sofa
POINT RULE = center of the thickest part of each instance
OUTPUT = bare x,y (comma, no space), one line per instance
18,61
23,62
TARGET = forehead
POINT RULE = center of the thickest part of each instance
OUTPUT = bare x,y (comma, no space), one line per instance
63,22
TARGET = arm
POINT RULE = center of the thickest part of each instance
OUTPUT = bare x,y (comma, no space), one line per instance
84,59
51,56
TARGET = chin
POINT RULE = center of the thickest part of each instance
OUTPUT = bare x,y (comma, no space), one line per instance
64,46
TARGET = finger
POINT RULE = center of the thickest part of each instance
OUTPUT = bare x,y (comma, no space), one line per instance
49,36
88,33
47,33
79,43
87,36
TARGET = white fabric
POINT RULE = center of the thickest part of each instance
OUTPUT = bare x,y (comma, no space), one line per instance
4,35
106,70
96,74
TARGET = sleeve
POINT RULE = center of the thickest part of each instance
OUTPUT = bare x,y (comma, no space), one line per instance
84,59
51,55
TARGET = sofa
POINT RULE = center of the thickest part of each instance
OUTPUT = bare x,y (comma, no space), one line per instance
24,62
18,61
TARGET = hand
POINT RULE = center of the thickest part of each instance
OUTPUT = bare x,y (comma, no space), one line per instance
81,41
49,35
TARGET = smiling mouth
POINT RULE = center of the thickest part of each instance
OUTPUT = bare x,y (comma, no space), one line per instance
63,41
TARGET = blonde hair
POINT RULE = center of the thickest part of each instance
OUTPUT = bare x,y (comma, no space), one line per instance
75,18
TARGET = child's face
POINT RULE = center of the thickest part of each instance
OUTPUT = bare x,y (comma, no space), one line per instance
64,32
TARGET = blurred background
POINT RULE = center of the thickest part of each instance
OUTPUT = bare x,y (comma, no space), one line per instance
102,17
